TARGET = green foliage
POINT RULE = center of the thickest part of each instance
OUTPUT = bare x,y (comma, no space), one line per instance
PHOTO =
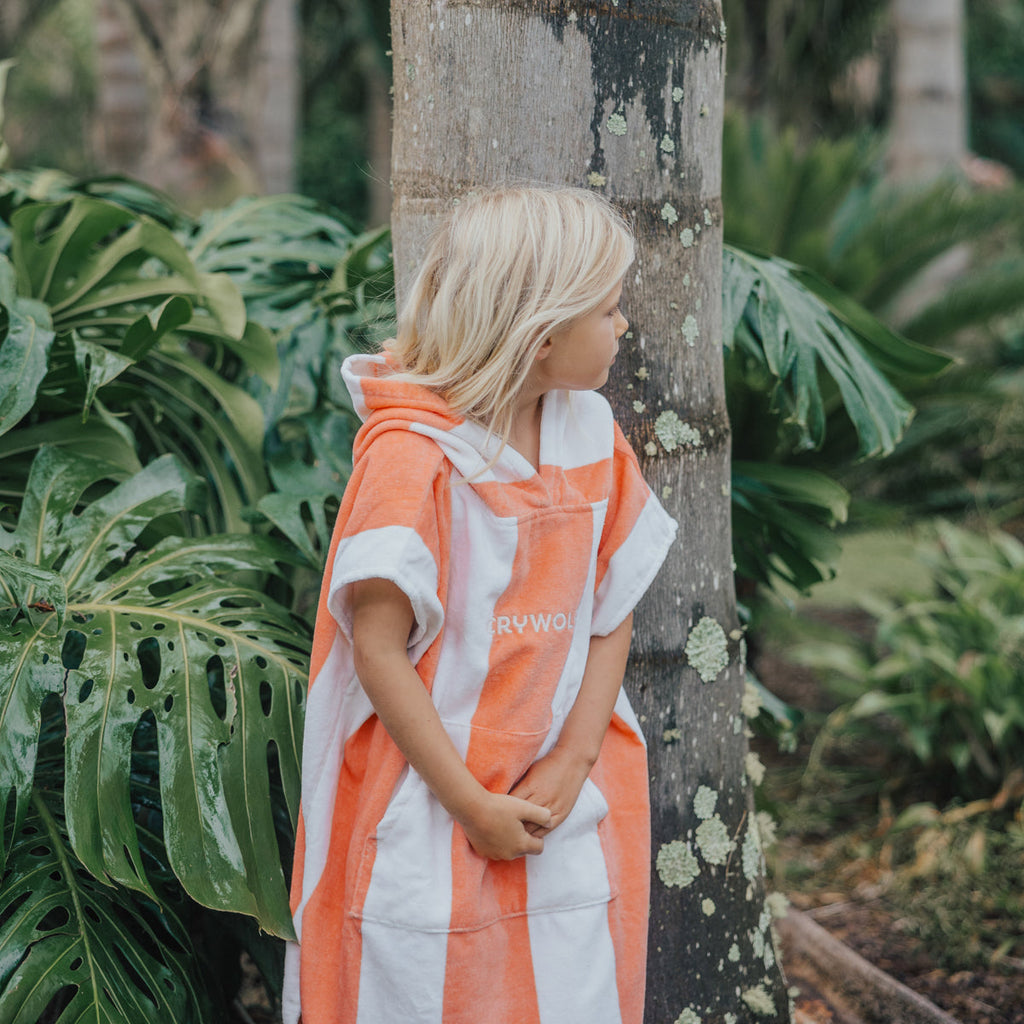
803,362
53,43
780,195
72,948
995,68
864,245
815,344
326,293
783,519
345,59
174,434
964,451
957,881
827,207
166,633
941,675
794,59
130,311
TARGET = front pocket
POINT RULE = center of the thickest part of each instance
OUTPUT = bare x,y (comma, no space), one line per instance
572,870
419,865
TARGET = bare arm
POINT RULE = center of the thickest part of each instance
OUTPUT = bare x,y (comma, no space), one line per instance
494,823
556,779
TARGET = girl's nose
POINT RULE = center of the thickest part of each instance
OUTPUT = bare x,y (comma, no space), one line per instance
621,324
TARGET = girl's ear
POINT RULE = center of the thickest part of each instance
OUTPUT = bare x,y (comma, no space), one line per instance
544,351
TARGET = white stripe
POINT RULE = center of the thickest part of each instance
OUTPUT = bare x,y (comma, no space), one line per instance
402,976
475,454
331,717
571,872
353,370
407,911
574,967
395,553
576,659
576,429
290,1008
337,705
411,884
633,566
483,551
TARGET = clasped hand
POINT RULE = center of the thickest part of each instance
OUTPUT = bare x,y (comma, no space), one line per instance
504,827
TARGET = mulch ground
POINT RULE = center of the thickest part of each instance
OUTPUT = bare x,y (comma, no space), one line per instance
875,933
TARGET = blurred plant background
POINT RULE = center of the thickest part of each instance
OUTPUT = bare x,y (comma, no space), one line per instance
193,208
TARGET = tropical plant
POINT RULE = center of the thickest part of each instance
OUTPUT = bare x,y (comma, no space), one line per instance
152,645
825,205
995,68
803,362
122,311
325,292
148,648
940,676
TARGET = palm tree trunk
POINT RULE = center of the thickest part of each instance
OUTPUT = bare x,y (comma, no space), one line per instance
123,98
929,124
627,98
275,113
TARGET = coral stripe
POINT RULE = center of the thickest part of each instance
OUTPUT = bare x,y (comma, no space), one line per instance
330,987
490,975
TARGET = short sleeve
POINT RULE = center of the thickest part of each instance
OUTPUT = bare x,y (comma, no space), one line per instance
635,539
393,525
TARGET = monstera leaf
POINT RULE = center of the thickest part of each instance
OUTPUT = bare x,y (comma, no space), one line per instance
327,293
74,949
25,338
113,321
181,636
101,269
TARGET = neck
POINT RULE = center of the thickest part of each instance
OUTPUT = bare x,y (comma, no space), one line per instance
525,433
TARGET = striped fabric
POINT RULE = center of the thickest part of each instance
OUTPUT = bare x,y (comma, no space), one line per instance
509,573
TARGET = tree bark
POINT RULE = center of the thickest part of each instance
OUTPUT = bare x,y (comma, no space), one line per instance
626,97
122,96
929,122
274,106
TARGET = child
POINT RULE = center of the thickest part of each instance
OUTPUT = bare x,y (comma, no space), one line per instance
474,840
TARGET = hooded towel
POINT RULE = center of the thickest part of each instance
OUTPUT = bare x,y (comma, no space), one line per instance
509,571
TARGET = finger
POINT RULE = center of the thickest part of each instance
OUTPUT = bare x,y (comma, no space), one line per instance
534,846
521,792
534,813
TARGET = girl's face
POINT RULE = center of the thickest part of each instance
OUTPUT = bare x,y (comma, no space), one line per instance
579,357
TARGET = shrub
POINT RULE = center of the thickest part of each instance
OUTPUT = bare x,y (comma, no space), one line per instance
941,676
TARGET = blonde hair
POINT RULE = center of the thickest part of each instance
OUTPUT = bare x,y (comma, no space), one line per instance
506,269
